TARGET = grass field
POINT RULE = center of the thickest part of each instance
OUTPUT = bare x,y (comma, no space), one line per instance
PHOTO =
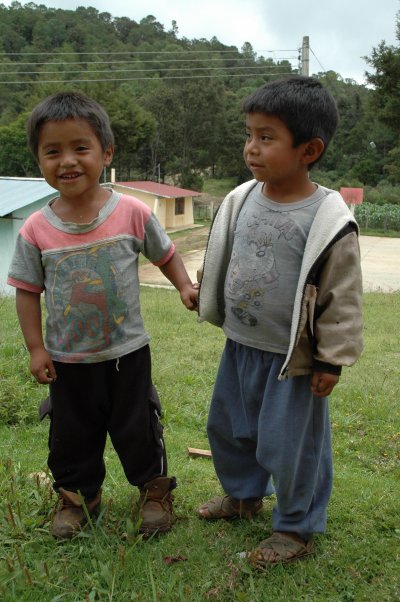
357,559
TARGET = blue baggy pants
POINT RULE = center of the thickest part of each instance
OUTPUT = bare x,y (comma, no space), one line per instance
260,427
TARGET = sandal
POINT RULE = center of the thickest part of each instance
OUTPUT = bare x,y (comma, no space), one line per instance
285,549
229,507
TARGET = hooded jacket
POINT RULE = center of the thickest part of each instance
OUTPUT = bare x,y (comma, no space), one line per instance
326,329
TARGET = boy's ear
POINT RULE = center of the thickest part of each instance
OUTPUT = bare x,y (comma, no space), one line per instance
108,155
313,149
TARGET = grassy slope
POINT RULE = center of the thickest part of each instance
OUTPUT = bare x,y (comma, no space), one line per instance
357,559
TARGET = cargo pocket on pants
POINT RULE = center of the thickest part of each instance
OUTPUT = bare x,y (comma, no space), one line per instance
157,427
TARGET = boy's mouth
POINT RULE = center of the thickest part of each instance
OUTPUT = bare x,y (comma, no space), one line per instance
70,176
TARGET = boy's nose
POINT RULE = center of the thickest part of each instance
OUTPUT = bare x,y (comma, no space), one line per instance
68,159
251,146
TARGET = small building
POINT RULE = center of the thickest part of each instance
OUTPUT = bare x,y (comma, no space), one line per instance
173,206
19,197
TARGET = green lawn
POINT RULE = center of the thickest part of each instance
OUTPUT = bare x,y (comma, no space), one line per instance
358,558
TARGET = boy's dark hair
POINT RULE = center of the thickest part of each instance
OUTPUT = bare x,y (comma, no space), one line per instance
306,108
69,105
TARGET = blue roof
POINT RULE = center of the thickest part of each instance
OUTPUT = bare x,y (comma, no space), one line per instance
16,193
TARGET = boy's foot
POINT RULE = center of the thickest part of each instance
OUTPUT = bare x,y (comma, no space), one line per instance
155,506
229,507
69,516
280,548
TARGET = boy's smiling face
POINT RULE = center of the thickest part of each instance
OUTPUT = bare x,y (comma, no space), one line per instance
271,157
71,158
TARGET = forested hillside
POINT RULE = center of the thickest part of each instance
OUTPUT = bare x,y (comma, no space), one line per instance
175,103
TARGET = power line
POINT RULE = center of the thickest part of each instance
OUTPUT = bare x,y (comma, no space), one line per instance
130,52
162,70
181,57
215,59
66,64
317,59
126,79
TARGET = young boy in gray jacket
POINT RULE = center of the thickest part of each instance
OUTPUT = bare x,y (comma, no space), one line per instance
282,277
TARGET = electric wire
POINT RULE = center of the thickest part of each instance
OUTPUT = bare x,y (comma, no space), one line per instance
113,52
215,59
163,72
155,79
317,59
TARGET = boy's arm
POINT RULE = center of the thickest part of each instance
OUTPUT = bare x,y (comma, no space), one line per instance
30,319
338,313
176,273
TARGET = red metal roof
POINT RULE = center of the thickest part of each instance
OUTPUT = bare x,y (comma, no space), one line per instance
164,190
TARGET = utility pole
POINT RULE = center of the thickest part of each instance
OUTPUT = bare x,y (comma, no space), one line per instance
305,56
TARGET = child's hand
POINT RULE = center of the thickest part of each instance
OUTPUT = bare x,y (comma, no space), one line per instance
42,366
189,296
322,383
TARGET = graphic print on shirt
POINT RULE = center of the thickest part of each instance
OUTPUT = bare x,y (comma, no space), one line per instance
253,270
85,293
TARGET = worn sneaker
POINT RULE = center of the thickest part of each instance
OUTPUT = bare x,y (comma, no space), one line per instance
155,506
69,516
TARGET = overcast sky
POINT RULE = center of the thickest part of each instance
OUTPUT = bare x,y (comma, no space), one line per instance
341,32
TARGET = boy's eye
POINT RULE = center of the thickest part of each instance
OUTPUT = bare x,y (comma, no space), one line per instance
50,151
82,148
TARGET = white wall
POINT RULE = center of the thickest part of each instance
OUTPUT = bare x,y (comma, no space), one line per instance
9,229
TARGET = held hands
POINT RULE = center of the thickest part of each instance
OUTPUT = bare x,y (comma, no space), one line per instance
42,367
322,383
189,296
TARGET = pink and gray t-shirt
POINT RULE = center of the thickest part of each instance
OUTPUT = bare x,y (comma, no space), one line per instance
89,273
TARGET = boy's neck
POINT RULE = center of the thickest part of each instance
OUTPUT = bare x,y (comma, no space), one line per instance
289,194
81,210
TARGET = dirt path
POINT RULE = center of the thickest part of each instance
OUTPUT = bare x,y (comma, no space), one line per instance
193,240
380,261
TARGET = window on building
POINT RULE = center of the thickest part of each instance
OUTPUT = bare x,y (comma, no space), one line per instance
180,206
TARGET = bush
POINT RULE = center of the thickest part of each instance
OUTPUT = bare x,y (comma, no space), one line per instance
383,194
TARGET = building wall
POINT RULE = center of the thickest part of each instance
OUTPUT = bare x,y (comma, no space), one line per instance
163,208
179,221
7,242
147,198
9,229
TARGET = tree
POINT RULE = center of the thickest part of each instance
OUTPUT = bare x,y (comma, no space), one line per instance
386,95
176,103
392,166
133,129
190,125
15,157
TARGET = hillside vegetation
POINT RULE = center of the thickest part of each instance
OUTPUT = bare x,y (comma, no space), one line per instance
175,103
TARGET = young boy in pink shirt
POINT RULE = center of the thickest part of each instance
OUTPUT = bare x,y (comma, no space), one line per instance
82,250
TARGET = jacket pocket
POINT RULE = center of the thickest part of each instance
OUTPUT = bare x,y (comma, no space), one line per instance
307,310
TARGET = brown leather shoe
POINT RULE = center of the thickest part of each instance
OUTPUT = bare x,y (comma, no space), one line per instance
69,516
155,506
